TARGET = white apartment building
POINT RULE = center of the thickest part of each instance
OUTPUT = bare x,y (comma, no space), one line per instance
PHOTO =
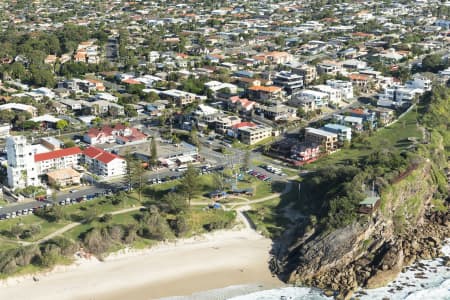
27,162
346,87
21,168
251,135
57,160
103,163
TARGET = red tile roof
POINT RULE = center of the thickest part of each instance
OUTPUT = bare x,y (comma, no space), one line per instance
131,81
100,155
92,152
266,89
57,154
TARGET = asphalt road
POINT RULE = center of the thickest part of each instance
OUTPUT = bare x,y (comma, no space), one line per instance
20,207
213,158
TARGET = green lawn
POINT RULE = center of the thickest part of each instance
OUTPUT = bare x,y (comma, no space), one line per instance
267,218
26,222
197,218
103,205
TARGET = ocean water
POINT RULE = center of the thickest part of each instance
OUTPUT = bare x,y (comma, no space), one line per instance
434,285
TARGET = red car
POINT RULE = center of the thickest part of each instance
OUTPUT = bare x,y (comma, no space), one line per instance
41,198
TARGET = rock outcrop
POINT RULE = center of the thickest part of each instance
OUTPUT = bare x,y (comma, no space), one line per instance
371,252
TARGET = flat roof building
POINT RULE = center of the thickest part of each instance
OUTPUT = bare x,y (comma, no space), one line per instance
252,135
321,137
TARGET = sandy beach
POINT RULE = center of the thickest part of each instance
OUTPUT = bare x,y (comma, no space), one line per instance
211,261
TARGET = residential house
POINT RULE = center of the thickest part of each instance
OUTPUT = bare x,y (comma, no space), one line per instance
181,98
361,82
354,64
385,116
329,67
120,134
399,94
102,107
234,130
266,94
290,82
4,130
105,97
304,152
246,82
216,86
306,104
50,59
309,73
418,82
357,123
277,112
345,87
71,104
19,107
320,99
334,95
51,143
344,133
274,57
226,122
242,105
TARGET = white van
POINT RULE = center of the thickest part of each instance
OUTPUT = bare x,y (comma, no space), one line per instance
181,169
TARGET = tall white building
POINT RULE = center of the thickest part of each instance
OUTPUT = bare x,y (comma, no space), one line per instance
21,169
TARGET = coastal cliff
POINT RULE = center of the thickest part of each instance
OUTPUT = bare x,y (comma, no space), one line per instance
371,251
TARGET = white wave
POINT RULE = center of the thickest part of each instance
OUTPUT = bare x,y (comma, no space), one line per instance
441,292
289,293
434,284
